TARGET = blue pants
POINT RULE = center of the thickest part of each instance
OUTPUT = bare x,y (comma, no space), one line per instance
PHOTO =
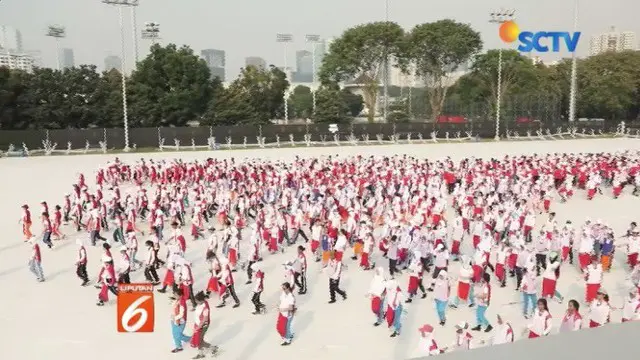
397,316
441,307
289,334
177,331
36,268
528,300
481,319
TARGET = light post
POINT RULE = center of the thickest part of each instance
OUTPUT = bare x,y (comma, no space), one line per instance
499,17
57,32
121,4
385,81
134,28
151,32
574,69
285,39
314,40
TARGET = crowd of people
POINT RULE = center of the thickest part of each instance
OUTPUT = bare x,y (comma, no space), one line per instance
493,216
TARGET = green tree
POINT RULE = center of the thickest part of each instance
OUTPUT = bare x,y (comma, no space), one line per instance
359,54
398,111
108,97
331,107
354,102
435,50
265,90
42,102
171,86
12,85
301,102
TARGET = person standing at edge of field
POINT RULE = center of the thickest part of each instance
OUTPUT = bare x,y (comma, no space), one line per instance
35,262
286,311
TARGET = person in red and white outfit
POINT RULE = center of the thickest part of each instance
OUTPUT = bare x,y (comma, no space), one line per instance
631,307
202,319
463,337
81,263
377,292
540,321
179,321
600,310
35,262
286,311
106,280
593,276
427,344
503,332
572,320
258,288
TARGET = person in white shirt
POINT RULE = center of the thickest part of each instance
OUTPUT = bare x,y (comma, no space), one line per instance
441,292
377,292
593,277
631,307
427,344
572,320
600,310
286,311
503,333
334,270
540,321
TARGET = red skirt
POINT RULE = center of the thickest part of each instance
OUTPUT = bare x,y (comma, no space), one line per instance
463,290
390,316
168,278
186,294
413,284
477,273
315,244
455,247
194,230
617,190
436,219
548,287
375,305
104,293
593,324
632,259
591,193
213,285
512,260
364,260
281,325
233,257
591,292
565,252
338,255
584,259
533,335
500,273
196,338
476,241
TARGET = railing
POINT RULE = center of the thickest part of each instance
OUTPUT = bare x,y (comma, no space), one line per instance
78,141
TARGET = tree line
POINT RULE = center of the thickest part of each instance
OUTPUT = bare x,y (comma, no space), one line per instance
173,87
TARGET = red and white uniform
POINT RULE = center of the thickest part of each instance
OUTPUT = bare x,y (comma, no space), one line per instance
600,312
540,324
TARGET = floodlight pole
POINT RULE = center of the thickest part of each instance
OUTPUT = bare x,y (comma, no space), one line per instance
574,69
57,32
285,39
151,32
385,104
499,17
120,4
134,28
314,40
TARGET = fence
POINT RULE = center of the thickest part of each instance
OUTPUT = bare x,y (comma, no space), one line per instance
68,141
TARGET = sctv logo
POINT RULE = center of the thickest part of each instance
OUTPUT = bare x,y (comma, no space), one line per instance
541,41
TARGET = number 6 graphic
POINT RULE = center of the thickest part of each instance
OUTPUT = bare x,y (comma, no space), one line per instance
133,310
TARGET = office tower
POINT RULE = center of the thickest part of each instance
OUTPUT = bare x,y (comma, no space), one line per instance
67,59
112,62
255,61
216,61
612,41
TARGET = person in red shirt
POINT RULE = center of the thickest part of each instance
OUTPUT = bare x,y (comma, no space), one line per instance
47,229
179,320
35,262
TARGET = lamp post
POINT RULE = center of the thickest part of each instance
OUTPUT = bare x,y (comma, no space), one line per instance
499,17
121,4
574,69
285,39
385,81
151,32
314,40
57,32
134,31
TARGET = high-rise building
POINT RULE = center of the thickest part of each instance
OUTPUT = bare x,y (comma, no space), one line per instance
256,61
612,41
10,38
216,61
320,50
67,59
304,67
16,60
112,62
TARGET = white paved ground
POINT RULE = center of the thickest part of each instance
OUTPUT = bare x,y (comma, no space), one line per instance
58,319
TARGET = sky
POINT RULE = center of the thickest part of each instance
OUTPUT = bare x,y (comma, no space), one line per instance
248,27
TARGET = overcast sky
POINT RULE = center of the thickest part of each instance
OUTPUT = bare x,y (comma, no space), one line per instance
248,27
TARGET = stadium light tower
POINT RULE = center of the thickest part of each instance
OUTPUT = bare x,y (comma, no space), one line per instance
121,4
314,40
385,80
285,39
574,68
500,17
151,32
57,32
